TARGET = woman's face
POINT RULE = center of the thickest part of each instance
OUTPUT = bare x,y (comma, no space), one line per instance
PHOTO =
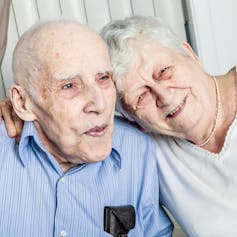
165,92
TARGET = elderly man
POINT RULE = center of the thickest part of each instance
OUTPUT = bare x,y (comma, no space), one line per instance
66,168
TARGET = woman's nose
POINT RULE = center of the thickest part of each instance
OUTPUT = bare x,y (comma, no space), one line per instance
163,94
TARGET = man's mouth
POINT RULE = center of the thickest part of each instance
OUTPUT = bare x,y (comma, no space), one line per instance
177,110
97,131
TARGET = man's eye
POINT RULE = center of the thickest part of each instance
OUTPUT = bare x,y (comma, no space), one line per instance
105,77
68,86
163,70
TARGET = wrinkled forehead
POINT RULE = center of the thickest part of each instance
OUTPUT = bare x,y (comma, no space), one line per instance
149,56
65,33
67,48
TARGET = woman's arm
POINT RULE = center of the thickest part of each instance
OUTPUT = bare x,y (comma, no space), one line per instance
13,123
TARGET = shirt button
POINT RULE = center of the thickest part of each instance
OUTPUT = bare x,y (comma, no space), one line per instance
63,233
62,180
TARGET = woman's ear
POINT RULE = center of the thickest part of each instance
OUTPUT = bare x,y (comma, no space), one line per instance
21,103
189,51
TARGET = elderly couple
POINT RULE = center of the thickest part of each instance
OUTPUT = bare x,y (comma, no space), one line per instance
72,161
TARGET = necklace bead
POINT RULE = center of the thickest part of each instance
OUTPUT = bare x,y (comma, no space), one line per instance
218,109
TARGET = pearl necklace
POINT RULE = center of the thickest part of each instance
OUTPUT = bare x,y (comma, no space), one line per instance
218,110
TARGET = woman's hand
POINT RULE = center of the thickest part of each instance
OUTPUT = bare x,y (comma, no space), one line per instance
13,123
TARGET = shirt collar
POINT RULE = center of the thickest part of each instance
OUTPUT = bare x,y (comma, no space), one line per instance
29,131
117,151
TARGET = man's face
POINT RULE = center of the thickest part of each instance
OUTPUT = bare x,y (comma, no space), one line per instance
75,111
163,90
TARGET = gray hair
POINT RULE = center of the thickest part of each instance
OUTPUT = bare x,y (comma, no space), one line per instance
120,36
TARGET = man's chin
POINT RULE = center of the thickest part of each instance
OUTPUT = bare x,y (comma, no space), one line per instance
103,151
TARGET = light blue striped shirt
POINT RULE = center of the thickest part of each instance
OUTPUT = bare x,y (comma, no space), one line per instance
39,200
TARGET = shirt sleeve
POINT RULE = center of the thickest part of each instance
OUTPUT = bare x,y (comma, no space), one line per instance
156,221
4,15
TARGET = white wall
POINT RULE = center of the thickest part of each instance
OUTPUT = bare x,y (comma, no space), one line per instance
215,33
96,13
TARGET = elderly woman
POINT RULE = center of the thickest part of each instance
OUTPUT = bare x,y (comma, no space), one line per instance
163,87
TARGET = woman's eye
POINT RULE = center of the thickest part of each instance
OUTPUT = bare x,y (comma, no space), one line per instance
162,74
140,98
68,86
158,74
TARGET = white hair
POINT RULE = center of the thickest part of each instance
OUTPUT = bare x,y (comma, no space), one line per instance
120,36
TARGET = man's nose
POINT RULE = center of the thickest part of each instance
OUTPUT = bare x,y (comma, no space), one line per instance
96,101
163,94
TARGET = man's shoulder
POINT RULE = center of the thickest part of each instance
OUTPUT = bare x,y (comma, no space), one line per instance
135,147
128,127
125,130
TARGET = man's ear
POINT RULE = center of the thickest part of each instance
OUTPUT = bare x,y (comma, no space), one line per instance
21,103
189,51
